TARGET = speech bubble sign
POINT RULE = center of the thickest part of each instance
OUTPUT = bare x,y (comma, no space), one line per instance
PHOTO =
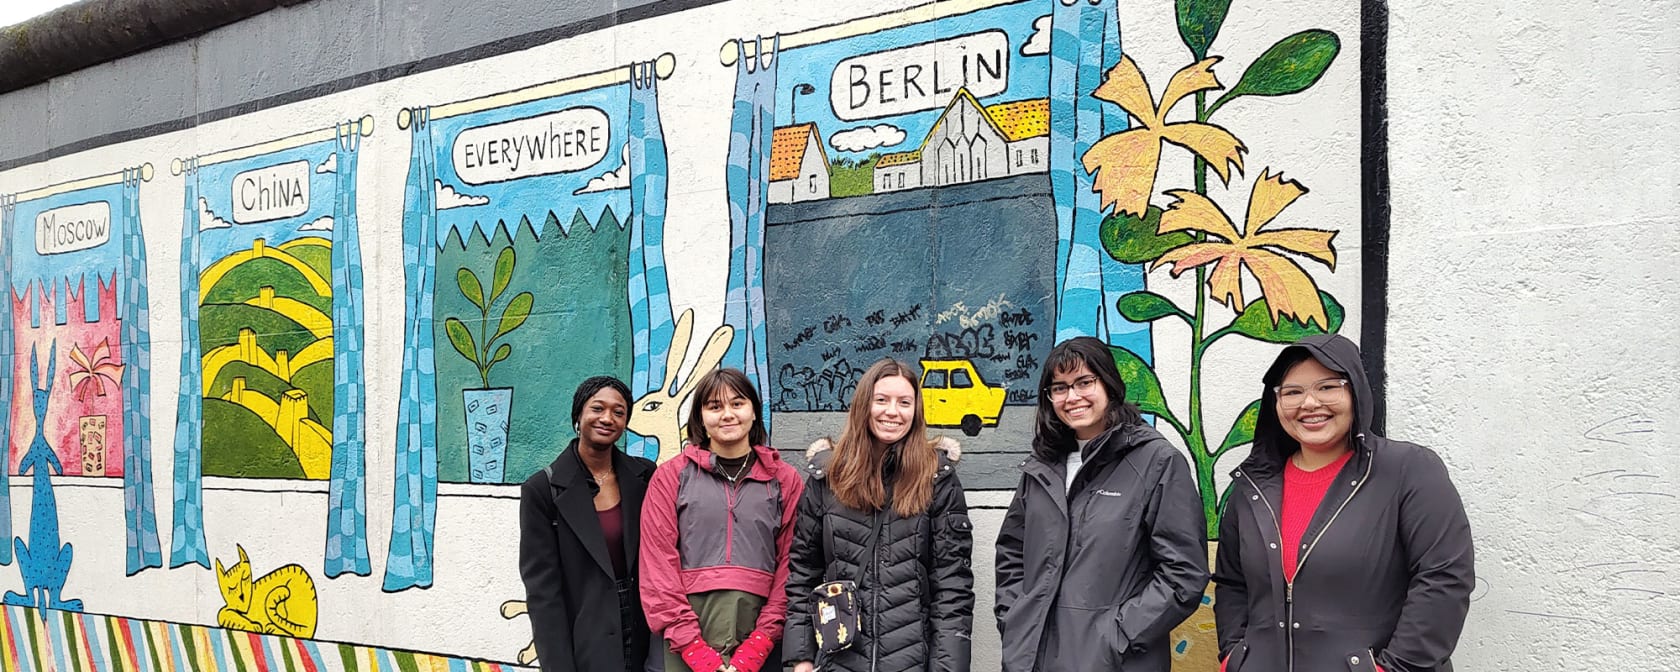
567,141
73,228
919,77
272,192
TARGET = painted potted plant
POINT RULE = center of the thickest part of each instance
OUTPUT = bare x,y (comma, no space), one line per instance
488,408
91,378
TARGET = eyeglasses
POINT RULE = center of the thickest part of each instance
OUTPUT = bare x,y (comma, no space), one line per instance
1330,392
1059,391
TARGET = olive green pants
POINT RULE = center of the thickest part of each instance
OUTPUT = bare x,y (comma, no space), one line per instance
726,618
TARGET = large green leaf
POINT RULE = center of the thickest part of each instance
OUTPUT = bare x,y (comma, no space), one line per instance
470,287
1242,431
1143,388
1290,66
518,309
1199,22
461,339
1256,322
1133,240
502,274
1148,307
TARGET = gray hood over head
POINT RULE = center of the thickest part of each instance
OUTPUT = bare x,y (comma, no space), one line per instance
1272,445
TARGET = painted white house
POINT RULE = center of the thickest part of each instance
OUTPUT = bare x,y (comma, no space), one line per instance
971,142
799,168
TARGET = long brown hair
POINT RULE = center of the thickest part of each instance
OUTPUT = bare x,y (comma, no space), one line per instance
855,474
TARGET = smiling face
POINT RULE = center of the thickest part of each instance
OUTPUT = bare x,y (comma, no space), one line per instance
728,417
1084,404
1315,407
892,409
602,421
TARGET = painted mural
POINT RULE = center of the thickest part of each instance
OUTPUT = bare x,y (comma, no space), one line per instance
960,184
271,363
75,274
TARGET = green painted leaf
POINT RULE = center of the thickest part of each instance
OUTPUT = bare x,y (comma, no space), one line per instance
1143,388
1242,431
517,311
1148,307
502,275
470,287
461,339
502,353
1199,22
1290,66
1256,322
1133,240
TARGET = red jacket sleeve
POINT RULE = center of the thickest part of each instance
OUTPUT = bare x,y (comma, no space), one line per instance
669,614
774,614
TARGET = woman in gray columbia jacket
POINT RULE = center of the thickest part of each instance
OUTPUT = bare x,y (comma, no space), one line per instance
1104,548
1382,563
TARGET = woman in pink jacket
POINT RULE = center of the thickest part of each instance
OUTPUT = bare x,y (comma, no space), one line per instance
716,528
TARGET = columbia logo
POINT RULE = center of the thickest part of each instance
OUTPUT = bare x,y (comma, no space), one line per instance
1109,493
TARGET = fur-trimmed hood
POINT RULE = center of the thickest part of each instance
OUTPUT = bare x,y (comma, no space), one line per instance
819,453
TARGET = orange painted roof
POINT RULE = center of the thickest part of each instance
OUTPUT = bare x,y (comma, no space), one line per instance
1021,119
898,159
787,150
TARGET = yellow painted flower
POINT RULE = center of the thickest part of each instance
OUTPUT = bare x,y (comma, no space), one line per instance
1288,288
1125,163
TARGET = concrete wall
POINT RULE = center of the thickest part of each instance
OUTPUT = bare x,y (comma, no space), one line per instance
1517,301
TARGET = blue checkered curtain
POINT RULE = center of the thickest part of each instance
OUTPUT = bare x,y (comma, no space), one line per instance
748,181
138,499
186,541
650,292
414,511
8,207
1084,45
347,549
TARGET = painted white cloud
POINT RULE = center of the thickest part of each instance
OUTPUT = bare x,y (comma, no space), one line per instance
325,223
448,198
330,165
867,137
612,179
208,220
1039,43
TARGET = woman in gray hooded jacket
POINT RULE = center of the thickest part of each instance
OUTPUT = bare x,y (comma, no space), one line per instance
1104,548
1339,549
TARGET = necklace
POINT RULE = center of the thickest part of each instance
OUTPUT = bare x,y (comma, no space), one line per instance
738,470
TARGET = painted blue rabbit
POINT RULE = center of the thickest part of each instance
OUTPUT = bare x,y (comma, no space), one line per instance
45,566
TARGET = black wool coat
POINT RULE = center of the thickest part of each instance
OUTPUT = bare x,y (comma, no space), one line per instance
569,581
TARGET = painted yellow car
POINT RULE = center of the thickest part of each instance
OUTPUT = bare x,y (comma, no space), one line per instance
953,395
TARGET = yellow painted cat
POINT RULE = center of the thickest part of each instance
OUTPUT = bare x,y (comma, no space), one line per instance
282,602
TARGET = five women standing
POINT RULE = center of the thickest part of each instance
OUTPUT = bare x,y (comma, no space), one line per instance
1102,551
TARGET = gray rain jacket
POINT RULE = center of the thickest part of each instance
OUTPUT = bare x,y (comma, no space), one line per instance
1385,567
1097,579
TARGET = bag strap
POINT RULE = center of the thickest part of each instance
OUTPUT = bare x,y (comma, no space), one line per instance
870,547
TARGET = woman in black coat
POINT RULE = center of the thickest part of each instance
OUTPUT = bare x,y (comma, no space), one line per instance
884,479
579,524
1338,549
1104,548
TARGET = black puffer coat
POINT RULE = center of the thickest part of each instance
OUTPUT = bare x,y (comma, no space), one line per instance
916,603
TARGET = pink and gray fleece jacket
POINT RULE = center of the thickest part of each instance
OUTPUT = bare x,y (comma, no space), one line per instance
702,533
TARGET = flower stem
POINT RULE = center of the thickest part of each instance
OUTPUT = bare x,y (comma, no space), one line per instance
1196,442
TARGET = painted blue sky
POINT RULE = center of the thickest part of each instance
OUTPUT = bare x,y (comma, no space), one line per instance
1029,76
536,195
67,268
220,237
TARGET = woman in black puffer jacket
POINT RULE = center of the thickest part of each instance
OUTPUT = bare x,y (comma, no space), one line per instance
916,595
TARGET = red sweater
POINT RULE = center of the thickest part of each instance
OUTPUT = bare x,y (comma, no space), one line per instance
1302,492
